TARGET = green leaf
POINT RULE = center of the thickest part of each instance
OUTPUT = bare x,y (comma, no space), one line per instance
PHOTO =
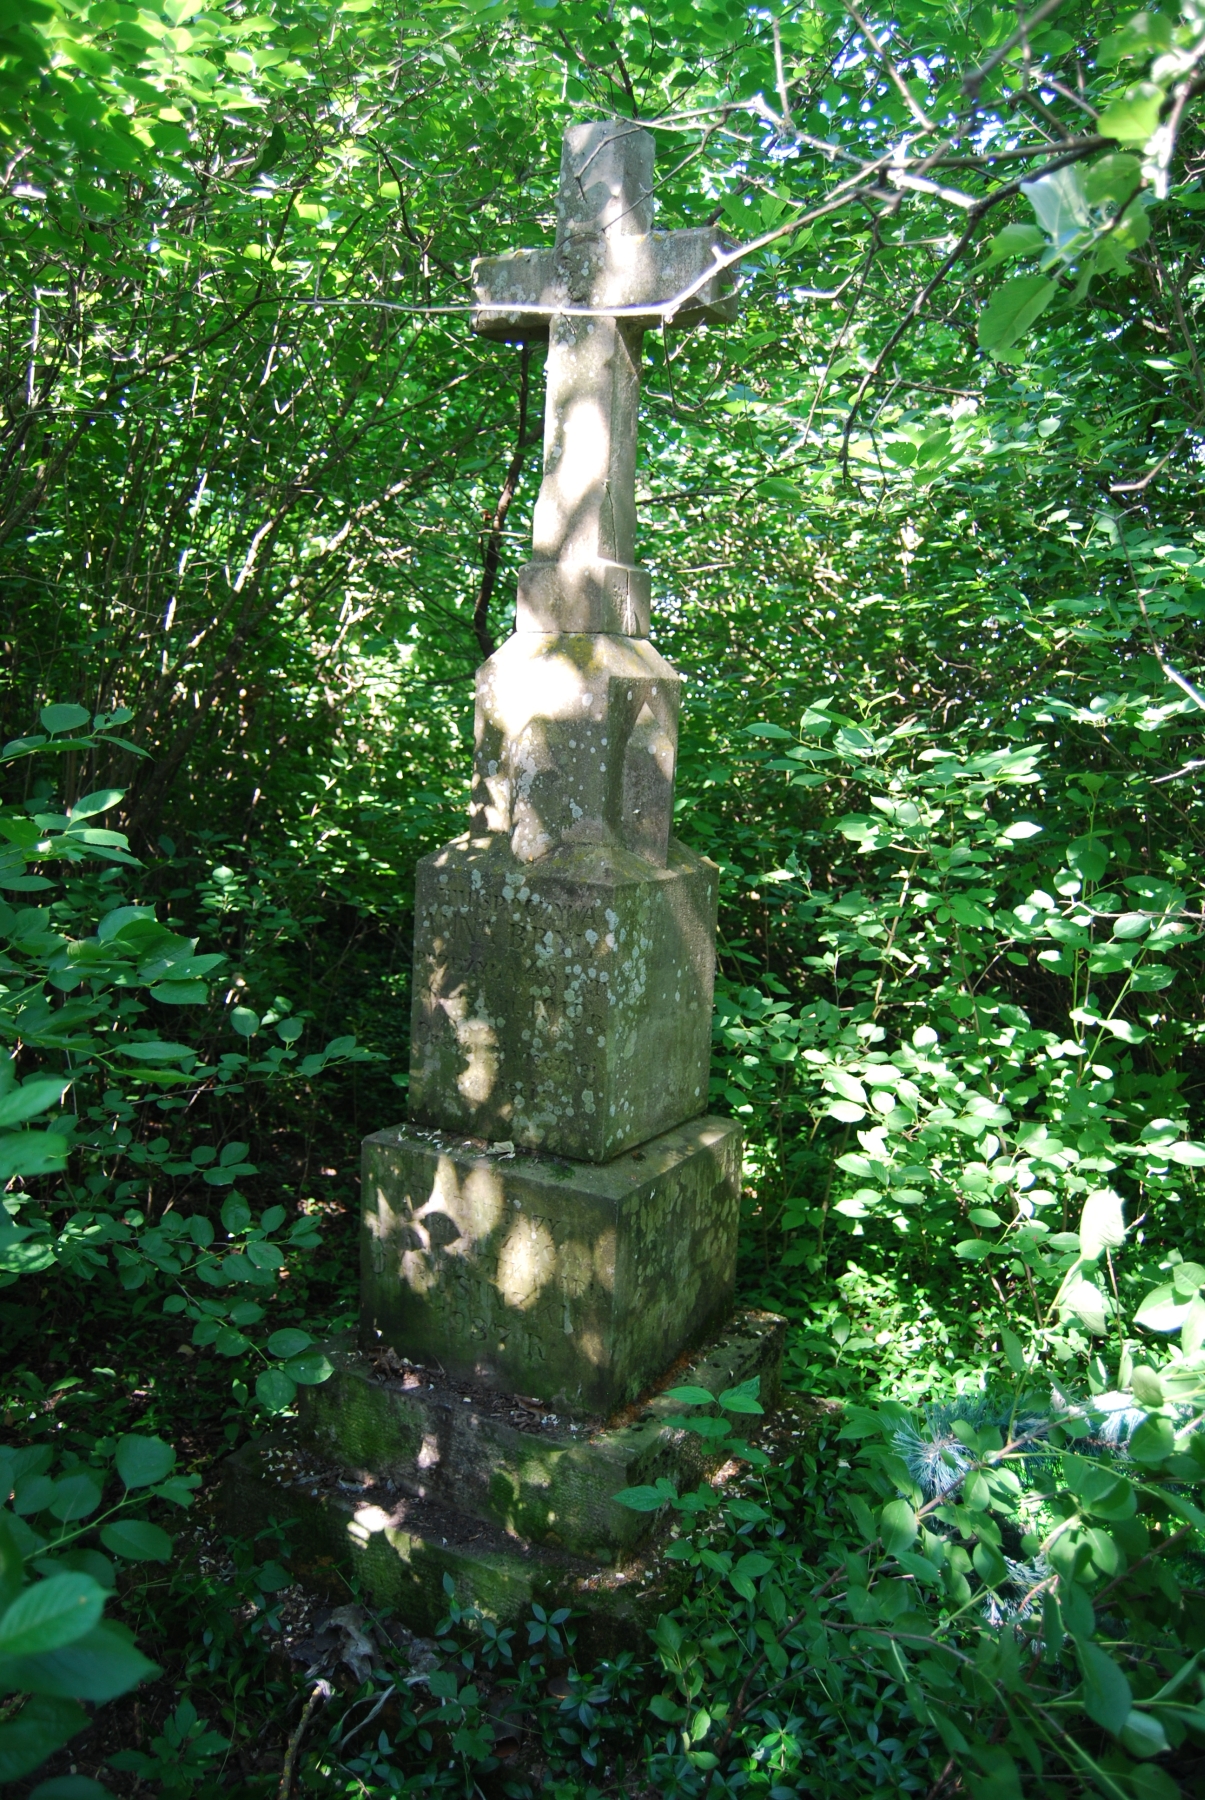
898,1526
1142,35
1142,1735
1086,1302
1133,118
56,719
989,1564
12,1568
265,1256
136,1540
646,1499
31,1153
1014,1350
1146,1385
96,1667
50,1614
1153,1442
180,993
40,1728
743,1397
310,1370
1001,1779
1102,1224
35,1096
1011,311
1192,1332
142,1461
75,1496
1163,1309
1106,1698
70,1787
244,1021
1014,240
275,1391
752,1566
690,1396
89,805
288,1342
236,1215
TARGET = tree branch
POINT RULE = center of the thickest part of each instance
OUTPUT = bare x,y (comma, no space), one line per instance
493,543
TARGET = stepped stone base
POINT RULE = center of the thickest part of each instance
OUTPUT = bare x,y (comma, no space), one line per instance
400,1554
524,1468
408,1477
572,1283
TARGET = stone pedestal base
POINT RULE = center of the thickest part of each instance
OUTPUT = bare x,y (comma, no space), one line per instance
563,1005
408,1476
573,1284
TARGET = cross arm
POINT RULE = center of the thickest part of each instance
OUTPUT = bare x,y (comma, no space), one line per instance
516,295
678,262
505,286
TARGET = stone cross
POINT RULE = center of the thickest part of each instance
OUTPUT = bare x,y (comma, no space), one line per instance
583,576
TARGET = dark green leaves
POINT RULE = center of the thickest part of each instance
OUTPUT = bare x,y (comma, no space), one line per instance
647,1498
1107,1697
1011,311
136,1540
40,1728
143,1461
50,1614
897,1527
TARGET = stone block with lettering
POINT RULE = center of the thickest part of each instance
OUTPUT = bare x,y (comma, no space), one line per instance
563,1004
572,1284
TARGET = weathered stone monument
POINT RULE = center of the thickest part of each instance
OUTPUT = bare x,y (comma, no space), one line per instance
555,1228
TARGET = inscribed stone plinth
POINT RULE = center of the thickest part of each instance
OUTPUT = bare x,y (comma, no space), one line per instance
563,1004
574,1284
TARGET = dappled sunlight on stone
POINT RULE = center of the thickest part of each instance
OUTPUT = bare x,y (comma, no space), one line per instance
526,1264
564,529
604,1260
474,1207
569,1282
366,1522
595,972
477,1041
575,1268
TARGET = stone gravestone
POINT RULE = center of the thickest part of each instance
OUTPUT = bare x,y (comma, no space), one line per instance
556,1225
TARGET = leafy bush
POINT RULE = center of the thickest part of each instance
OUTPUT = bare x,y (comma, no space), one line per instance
54,1643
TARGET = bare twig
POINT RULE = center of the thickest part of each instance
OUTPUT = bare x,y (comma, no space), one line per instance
321,1694
977,76
922,118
